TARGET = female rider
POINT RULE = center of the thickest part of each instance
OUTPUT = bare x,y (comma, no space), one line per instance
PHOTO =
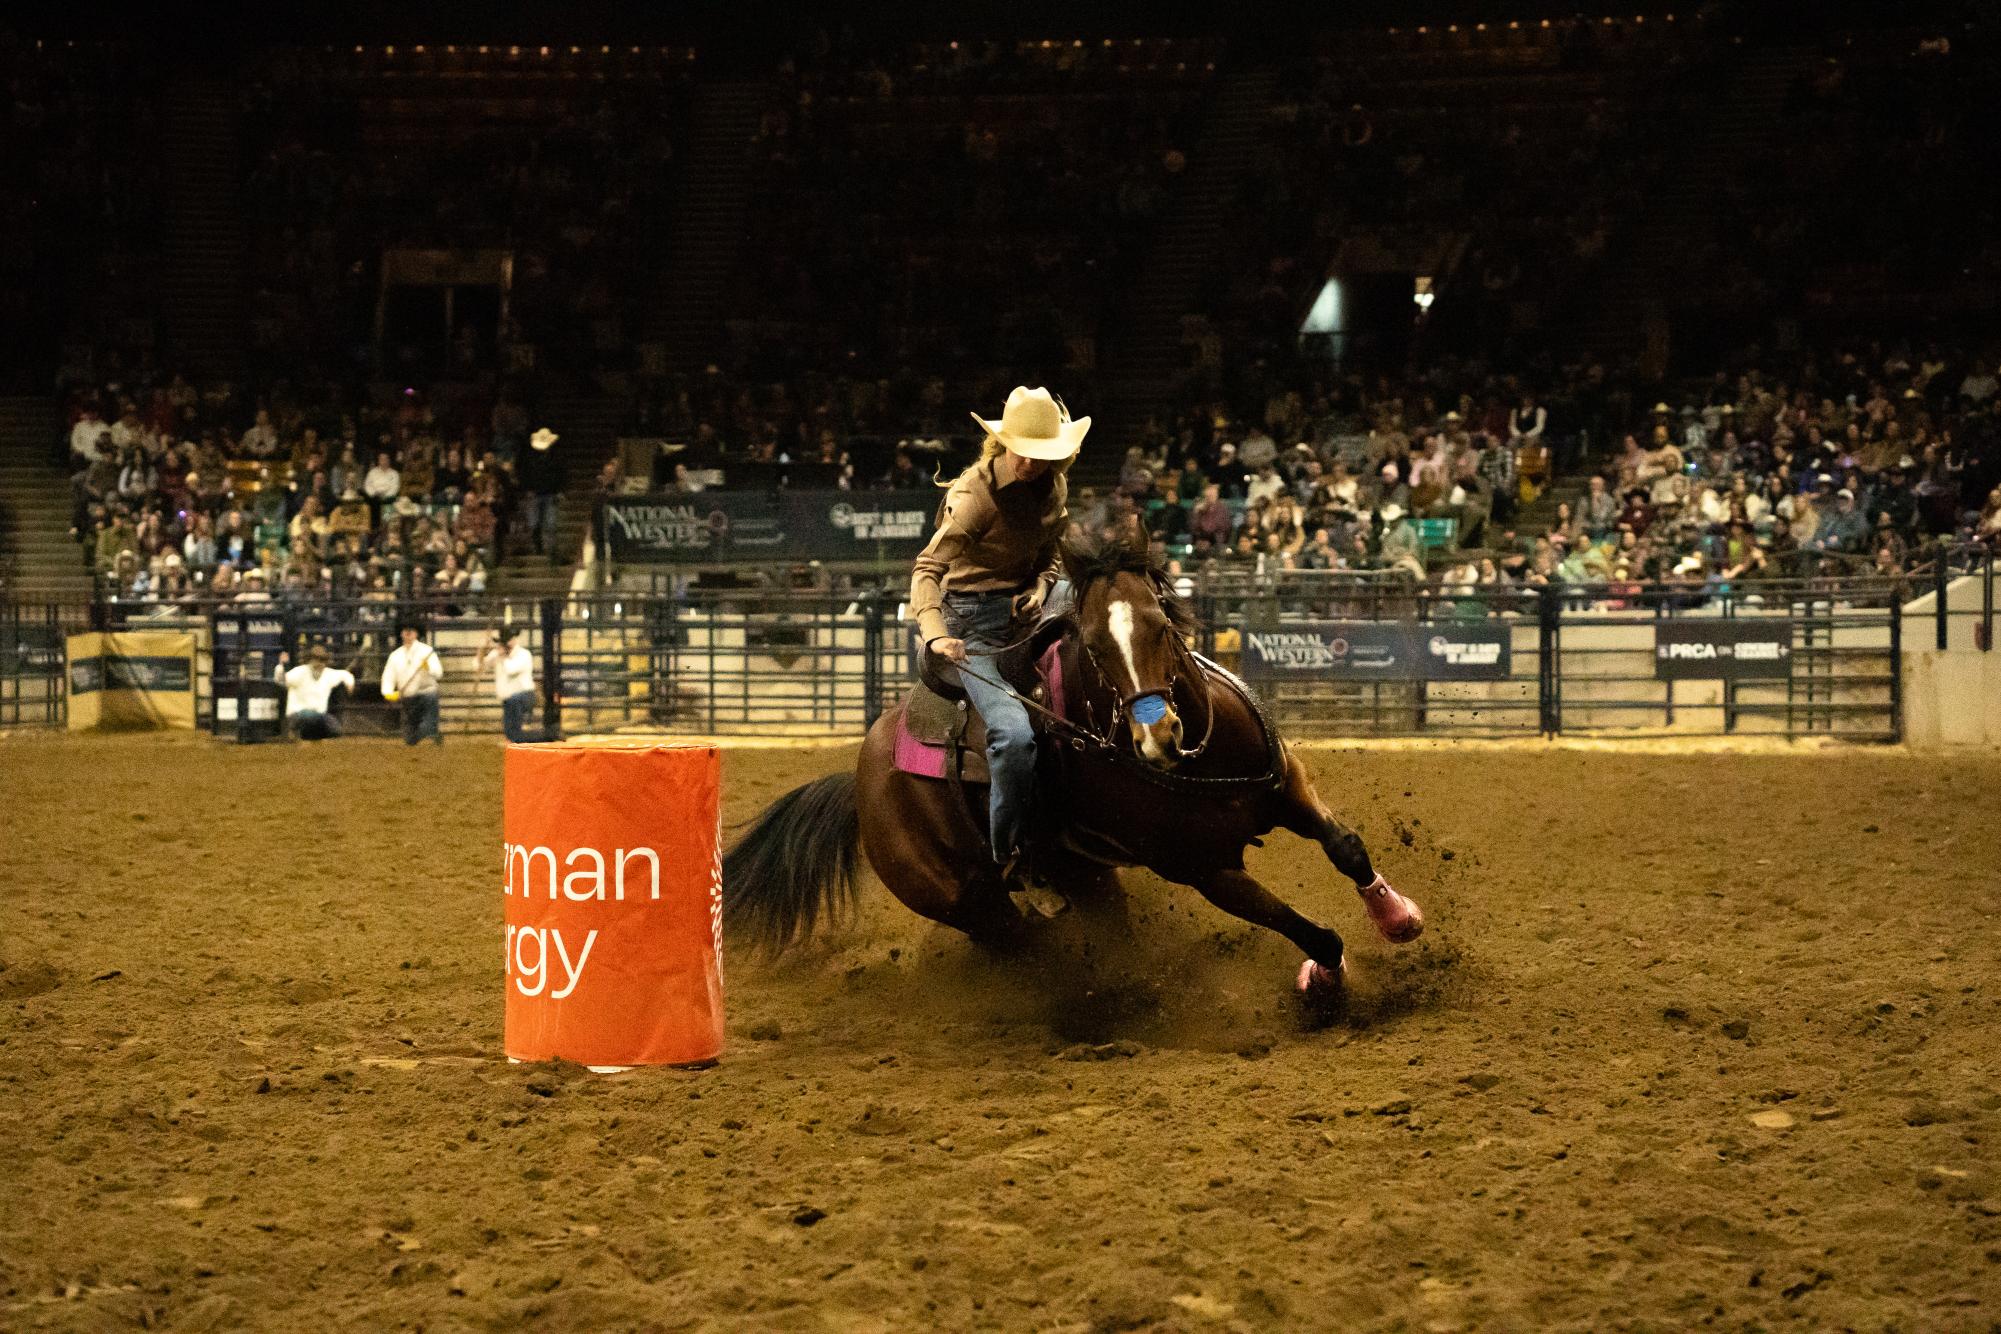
993,561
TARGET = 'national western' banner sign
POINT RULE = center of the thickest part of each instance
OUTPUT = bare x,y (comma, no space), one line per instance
1378,651
1752,649
767,525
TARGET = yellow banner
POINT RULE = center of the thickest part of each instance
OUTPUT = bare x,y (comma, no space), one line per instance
139,679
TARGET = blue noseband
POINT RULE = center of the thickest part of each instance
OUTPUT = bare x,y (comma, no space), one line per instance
1149,709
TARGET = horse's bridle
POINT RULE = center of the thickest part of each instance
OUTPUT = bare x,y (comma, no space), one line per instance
1122,708
1087,735
1088,740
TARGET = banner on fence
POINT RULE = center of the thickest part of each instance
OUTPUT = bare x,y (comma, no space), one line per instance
1379,651
766,525
139,679
1735,650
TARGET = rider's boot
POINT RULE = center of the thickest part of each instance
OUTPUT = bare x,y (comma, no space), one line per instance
1027,886
1019,866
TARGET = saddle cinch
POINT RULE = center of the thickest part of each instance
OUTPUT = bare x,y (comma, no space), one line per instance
939,734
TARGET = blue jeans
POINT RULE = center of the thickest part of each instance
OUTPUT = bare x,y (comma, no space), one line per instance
515,711
542,523
420,718
313,727
982,621
310,726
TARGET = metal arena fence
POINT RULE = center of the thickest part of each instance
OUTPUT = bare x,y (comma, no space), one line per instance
1333,653
1783,660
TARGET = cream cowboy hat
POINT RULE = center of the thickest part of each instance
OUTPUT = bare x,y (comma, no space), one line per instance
1035,426
542,439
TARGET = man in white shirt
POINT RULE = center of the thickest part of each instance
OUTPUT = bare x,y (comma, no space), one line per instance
308,692
1267,485
514,683
261,440
88,437
381,484
410,680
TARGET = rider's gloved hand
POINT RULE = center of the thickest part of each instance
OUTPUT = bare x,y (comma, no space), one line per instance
948,647
1028,605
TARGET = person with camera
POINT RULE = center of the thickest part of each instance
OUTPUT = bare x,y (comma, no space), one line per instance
514,683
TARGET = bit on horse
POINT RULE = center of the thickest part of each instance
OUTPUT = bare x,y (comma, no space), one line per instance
1116,786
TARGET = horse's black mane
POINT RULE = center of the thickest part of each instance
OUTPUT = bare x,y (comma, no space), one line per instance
1085,563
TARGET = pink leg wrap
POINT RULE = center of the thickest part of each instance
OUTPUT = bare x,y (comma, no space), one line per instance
1395,916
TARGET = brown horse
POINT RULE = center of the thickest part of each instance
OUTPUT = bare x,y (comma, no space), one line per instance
1112,791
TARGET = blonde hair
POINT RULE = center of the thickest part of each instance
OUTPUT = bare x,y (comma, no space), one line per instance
991,449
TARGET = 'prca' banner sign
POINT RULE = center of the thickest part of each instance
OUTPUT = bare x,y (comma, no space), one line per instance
1752,649
767,525
1378,651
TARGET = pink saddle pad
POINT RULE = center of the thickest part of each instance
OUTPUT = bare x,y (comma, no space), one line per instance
926,760
916,757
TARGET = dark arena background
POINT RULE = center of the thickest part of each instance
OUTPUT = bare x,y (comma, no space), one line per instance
1579,430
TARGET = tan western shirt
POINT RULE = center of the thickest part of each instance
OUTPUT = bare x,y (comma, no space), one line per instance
989,538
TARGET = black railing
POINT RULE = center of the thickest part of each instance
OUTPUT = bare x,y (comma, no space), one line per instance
1817,658
33,658
1938,581
1479,660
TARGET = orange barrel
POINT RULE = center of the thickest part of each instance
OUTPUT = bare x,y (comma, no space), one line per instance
612,875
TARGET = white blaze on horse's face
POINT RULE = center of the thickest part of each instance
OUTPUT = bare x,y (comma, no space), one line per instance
1159,741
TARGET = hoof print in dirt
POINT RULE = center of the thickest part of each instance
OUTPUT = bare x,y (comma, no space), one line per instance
1100,1051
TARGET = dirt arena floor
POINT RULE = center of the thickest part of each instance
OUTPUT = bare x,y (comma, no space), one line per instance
1690,1042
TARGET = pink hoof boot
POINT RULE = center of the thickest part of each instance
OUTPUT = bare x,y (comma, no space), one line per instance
1400,920
1322,986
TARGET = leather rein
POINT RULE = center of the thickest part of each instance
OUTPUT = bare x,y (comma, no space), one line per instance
1086,739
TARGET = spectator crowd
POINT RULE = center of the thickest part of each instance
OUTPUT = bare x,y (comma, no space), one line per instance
1864,462
931,222
186,493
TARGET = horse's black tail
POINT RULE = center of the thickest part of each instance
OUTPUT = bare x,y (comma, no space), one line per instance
801,857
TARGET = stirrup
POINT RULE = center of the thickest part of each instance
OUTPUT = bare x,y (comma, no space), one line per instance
1032,894
1020,870
1017,866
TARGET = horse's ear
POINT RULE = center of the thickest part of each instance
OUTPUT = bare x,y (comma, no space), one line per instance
1178,613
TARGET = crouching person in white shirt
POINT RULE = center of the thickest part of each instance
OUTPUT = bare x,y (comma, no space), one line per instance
410,681
309,691
514,683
